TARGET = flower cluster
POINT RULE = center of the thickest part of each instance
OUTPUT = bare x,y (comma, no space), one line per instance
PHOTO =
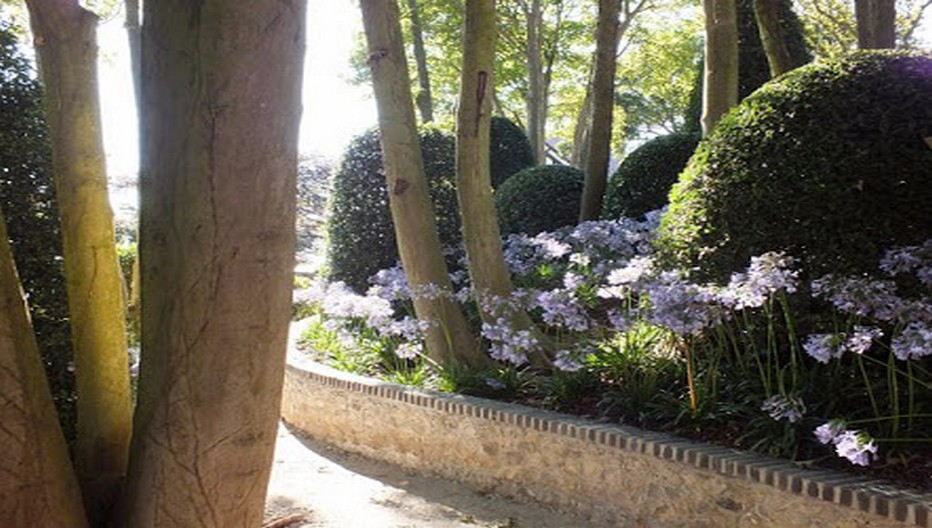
825,347
856,446
507,344
783,407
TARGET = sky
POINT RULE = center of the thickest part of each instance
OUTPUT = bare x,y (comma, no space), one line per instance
334,109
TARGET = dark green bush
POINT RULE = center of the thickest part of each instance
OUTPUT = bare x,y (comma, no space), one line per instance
827,163
539,199
643,180
27,197
509,150
361,236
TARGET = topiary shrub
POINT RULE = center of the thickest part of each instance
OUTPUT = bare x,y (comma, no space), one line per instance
643,180
509,150
828,163
539,199
27,198
360,232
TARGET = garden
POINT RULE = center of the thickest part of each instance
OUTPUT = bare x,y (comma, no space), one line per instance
781,302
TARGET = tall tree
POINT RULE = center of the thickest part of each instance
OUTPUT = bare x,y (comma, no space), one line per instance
603,103
771,36
481,233
220,92
449,339
876,23
535,101
629,9
425,101
37,484
720,85
65,40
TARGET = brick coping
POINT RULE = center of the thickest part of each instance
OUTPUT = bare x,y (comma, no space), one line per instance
866,495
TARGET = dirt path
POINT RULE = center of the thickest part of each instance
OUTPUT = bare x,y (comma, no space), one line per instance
334,489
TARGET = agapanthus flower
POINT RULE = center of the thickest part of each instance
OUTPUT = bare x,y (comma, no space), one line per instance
910,259
683,307
390,284
784,407
566,361
856,446
829,431
408,350
766,275
825,347
861,296
507,344
560,308
913,342
862,338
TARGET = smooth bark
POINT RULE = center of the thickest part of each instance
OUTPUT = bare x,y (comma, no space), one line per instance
37,483
720,81
449,339
481,233
425,102
876,23
766,12
603,103
536,97
220,104
65,40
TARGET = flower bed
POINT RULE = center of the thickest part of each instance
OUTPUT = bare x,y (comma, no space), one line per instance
614,474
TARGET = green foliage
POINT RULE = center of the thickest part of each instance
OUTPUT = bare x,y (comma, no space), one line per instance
27,195
509,150
827,163
361,235
539,199
643,180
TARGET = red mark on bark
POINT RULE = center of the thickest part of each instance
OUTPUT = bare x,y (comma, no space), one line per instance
400,187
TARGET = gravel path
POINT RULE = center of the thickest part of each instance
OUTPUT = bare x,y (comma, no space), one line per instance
315,486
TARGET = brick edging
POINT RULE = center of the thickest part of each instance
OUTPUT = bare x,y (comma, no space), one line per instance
865,495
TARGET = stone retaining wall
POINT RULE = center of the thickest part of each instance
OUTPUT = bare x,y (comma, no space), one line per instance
617,475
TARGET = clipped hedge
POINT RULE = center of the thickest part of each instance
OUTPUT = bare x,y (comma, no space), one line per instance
360,232
643,180
509,150
539,199
828,163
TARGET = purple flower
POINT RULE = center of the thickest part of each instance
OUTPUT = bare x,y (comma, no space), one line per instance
913,342
408,350
861,339
856,446
861,296
907,259
565,361
683,307
507,344
767,274
829,431
390,284
783,407
825,347
560,308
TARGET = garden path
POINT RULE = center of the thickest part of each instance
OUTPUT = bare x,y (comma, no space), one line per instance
314,485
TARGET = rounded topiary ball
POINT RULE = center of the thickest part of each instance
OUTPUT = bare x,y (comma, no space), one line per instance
509,150
360,231
831,163
539,199
643,180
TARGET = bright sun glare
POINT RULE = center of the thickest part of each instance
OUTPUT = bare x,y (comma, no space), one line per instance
334,109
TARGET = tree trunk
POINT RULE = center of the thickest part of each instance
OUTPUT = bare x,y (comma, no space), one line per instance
876,23
490,277
768,24
37,484
720,91
220,97
425,103
536,102
133,306
603,102
449,339
66,45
